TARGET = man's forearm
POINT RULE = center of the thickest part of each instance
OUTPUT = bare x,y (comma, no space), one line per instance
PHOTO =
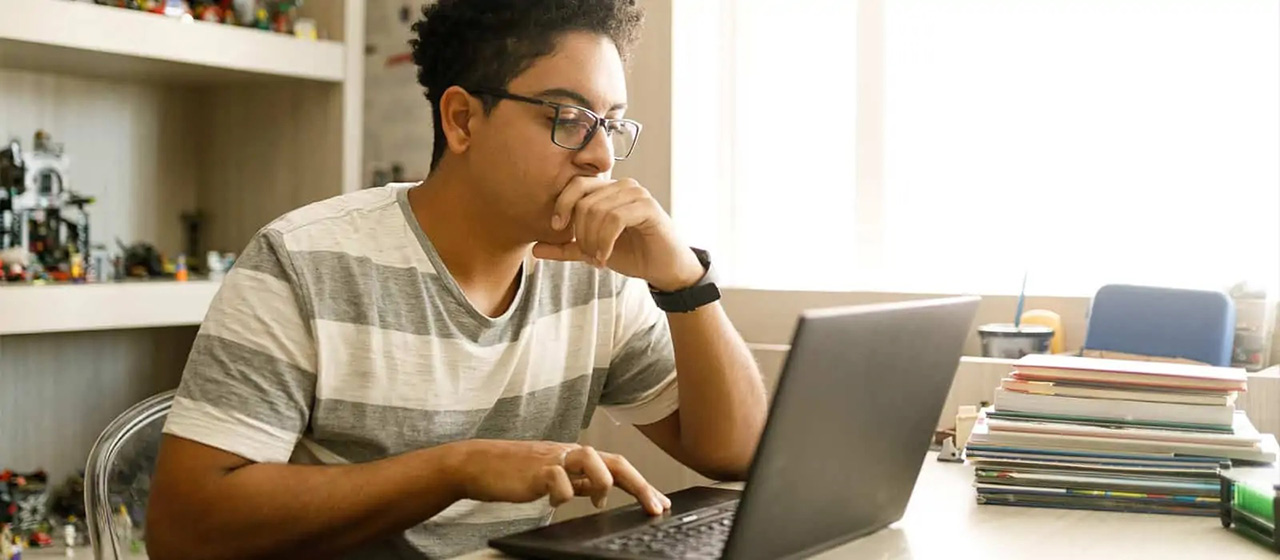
722,396
302,511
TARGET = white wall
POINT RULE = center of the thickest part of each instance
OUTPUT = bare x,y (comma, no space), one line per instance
397,116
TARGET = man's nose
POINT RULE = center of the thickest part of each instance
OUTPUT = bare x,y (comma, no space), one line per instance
597,154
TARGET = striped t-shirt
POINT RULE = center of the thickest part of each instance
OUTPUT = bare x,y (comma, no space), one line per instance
340,337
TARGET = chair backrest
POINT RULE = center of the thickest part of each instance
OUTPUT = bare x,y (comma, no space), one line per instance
1166,322
118,474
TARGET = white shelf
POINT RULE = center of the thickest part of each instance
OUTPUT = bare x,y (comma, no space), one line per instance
30,309
86,39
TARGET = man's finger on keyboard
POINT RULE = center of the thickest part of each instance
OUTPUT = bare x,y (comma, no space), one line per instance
626,477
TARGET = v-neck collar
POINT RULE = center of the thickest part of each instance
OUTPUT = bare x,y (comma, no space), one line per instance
447,279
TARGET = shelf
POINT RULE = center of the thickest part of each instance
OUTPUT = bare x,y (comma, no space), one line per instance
31,309
84,39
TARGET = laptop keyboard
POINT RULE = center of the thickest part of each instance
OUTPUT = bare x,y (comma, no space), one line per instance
699,534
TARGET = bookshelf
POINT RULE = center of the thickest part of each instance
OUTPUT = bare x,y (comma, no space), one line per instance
162,117
85,39
115,305
159,117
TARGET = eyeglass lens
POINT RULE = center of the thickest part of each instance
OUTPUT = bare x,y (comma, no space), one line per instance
573,126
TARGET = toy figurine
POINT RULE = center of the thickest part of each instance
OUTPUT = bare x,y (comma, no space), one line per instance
305,28
176,8
36,208
77,267
141,260
261,19
69,537
6,542
123,525
40,539
283,14
246,12
180,271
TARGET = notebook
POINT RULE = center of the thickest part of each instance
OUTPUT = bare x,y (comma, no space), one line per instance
1047,367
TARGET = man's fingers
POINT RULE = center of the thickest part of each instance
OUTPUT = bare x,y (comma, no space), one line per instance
586,216
552,252
628,478
574,191
585,461
559,487
613,223
586,220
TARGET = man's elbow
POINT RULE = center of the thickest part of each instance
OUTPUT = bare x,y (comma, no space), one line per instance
726,466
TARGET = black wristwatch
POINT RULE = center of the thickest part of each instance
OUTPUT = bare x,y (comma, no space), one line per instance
693,297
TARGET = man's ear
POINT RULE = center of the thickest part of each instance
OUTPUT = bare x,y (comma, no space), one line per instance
457,109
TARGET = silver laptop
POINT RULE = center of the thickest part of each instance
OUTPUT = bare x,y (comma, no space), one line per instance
850,424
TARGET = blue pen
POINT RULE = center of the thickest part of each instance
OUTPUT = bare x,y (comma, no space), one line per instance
1022,294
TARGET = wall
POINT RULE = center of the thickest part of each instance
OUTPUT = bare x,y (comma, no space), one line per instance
128,146
397,123
649,99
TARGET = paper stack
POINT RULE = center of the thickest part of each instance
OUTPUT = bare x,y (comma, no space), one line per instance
1119,435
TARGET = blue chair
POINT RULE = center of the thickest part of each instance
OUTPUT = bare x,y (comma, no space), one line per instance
1196,325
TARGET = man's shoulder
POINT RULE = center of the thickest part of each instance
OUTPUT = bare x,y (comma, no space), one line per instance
342,214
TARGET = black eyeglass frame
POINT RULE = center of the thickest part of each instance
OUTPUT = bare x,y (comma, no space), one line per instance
598,120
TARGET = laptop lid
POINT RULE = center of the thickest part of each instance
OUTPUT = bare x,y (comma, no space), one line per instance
850,424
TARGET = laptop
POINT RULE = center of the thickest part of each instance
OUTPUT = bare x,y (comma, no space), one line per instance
849,426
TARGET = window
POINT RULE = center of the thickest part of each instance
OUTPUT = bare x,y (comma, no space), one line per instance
763,134
950,146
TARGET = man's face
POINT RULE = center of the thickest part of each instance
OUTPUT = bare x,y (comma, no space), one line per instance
519,170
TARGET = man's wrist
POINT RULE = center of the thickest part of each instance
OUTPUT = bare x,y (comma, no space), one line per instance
451,462
690,273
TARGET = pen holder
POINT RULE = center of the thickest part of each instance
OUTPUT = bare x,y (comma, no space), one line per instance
1249,507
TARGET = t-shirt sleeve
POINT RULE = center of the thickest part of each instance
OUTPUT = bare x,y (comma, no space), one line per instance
641,385
250,379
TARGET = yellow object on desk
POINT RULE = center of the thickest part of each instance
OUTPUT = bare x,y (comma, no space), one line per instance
1046,318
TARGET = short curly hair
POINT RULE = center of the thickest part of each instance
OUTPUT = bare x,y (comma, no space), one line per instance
487,43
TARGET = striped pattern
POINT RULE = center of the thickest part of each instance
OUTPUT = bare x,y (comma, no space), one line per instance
339,337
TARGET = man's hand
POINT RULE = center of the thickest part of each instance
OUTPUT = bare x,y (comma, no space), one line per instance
619,225
524,471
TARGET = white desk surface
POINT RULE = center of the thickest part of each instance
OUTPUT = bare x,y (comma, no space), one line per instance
944,522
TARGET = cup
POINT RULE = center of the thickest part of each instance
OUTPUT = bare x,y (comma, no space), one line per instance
1004,340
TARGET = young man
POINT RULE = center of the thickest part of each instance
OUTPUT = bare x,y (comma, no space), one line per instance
401,372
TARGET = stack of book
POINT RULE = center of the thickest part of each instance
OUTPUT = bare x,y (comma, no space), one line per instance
1119,435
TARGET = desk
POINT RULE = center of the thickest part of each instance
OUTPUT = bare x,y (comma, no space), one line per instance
944,522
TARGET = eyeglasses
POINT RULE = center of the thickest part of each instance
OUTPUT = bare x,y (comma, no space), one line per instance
575,126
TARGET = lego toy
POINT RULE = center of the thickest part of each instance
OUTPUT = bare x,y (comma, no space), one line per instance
69,538
38,212
6,542
141,260
280,16
208,10
1248,502
176,8
24,508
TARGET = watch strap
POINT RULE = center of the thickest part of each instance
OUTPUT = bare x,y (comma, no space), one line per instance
687,300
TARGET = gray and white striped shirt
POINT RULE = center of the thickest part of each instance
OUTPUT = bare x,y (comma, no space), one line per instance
340,337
